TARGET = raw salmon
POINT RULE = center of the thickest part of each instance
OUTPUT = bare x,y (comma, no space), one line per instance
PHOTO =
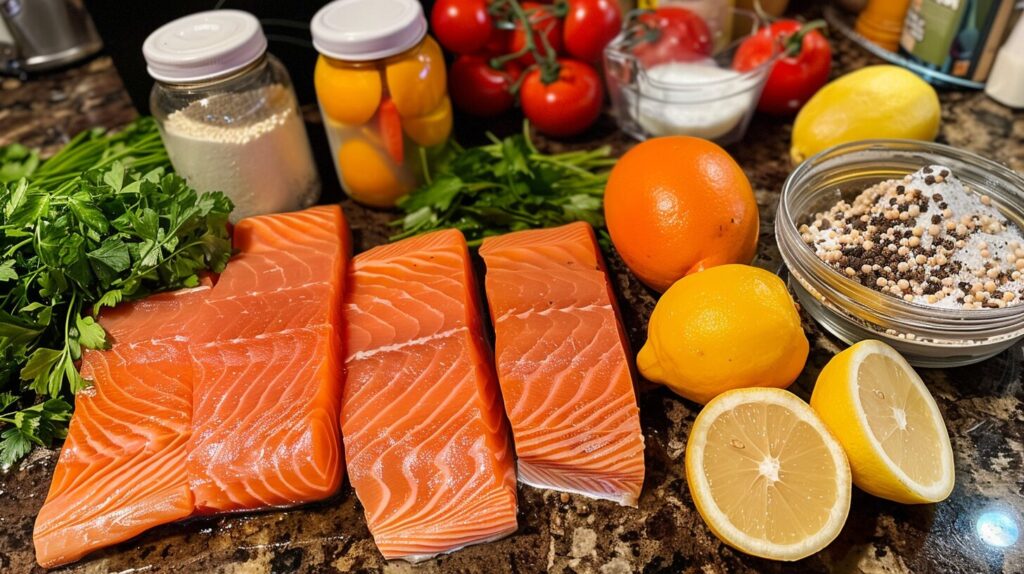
563,363
426,441
212,399
268,378
122,468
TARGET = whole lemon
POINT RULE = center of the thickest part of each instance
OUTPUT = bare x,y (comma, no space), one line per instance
724,328
873,102
677,205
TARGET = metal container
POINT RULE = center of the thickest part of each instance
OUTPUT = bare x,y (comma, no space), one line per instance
49,33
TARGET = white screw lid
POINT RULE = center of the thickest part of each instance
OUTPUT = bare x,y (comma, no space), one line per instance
361,30
203,46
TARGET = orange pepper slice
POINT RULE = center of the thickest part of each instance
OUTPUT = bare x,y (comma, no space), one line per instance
390,125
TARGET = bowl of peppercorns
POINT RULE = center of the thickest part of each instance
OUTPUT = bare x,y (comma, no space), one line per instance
915,243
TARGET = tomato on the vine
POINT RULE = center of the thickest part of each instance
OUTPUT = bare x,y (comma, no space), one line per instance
566,106
542,22
499,42
462,26
671,34
589,26
795,77
480,90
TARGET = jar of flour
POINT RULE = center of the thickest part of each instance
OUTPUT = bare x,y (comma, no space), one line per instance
228,113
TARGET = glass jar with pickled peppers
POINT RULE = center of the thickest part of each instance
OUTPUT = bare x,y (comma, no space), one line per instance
382,88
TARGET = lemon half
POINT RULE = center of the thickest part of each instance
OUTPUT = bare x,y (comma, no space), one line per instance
766,474
888,422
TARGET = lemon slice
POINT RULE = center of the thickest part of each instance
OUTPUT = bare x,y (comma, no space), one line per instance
766,474
887,421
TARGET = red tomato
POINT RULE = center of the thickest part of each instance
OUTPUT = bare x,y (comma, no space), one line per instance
498,43
542,21
566,106
589,26
478,89
671,34
462,26
795,77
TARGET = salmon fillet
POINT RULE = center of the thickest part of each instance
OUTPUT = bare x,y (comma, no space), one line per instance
265,422
426,441
563,364
212,399
122,468
268,378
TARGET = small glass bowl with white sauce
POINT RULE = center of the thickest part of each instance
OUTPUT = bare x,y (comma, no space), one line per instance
928,336
687,95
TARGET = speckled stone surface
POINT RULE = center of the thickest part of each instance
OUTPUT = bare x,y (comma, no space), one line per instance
983,407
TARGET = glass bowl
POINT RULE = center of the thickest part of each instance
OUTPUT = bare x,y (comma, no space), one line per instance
686,94
927,336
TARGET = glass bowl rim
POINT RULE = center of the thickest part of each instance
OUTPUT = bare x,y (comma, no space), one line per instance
787,229
615,51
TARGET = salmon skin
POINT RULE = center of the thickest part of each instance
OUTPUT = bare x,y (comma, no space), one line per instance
563,364
426,442
214,399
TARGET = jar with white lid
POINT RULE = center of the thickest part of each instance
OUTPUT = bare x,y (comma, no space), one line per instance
382,88
228,114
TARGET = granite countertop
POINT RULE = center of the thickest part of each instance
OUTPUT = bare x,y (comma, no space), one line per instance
983,407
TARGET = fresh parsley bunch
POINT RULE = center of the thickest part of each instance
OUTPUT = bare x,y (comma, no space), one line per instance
507,185
99,222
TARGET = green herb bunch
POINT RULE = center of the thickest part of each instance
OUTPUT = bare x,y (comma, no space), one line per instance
507,185
99,222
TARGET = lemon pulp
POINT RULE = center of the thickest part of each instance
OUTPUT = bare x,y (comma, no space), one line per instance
888,423
766,474
900,418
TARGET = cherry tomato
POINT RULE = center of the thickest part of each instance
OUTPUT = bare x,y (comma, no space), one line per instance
795,77
478,89
566,106
462,26
542,21
498,43
589,26
671,34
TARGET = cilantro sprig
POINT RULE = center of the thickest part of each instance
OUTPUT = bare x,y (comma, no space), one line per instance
507,185
99,222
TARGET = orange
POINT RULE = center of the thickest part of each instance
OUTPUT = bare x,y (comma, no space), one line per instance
433,128
349,94
368,174
417,80
678,205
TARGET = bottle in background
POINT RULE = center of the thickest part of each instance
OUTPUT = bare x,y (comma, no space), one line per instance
956,37
882,22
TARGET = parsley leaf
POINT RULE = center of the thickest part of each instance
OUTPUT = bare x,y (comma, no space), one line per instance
507,185
101,221
7,272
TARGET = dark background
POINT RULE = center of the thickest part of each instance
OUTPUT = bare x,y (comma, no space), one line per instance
125,25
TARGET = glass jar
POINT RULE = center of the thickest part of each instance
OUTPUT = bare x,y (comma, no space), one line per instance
927,336
382,88
681,95
228,114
